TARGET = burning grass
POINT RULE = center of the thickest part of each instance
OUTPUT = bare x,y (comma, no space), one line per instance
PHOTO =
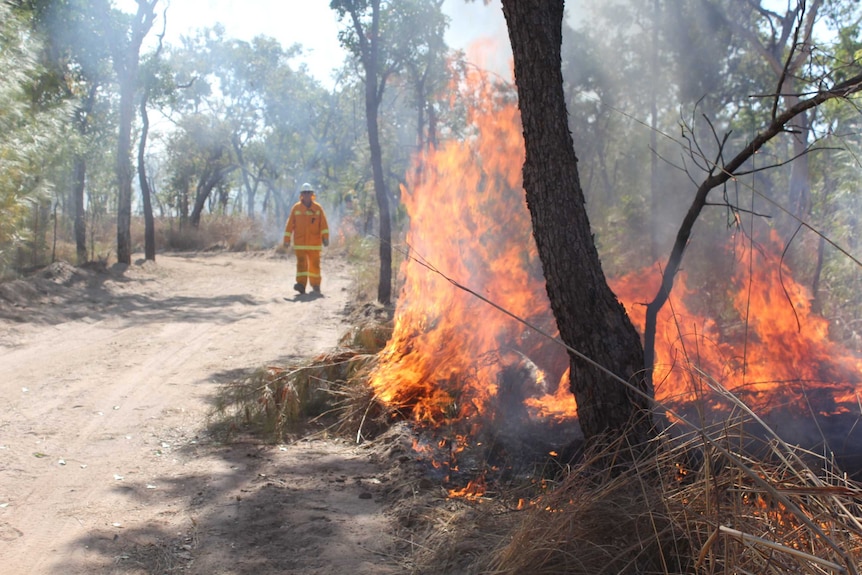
476,385
707,502
728,498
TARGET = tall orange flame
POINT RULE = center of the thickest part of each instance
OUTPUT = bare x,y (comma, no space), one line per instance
468,220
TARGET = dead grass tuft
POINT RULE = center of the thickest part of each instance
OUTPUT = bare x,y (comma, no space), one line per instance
277,401
618,526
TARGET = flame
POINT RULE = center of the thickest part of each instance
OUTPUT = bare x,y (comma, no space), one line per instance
474,490
780,357
453,357
450,351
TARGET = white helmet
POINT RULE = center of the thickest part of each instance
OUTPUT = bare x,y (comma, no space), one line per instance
306,187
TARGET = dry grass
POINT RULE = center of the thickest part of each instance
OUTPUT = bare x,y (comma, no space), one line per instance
329,392
701,504
712,501
278,401
231,233
708,500
733,498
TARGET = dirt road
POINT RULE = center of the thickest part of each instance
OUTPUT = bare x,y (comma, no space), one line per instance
107,380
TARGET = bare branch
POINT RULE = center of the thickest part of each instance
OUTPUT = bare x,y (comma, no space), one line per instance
718,178
788,62
736,208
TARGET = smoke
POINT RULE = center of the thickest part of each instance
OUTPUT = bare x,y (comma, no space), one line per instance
480,31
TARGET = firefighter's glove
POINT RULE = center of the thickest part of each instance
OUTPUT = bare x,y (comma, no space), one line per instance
326,242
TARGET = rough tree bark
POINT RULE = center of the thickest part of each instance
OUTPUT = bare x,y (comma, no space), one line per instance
589,316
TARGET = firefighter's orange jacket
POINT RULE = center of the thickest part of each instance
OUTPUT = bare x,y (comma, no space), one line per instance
308,226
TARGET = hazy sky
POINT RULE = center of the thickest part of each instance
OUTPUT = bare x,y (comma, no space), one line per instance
314,25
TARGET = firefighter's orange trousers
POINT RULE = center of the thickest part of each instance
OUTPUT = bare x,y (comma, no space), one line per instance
308,267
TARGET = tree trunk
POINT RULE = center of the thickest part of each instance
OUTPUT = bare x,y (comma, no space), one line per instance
82,124
384,287
370,54
246,181
126,63
124,165
205,187
149,221
589,316
78,186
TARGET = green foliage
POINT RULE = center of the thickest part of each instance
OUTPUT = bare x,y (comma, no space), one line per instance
30,134
269,120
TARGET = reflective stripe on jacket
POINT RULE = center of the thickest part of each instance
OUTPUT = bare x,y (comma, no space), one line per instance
308,226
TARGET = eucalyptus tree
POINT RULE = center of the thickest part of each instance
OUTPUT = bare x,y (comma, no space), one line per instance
241,69
612,387
338,128
605,348
269,110
634,69
157,83
608,88
426,69
362,35
200,161
127,36
836,206
649,81
383,35
783,39
299,122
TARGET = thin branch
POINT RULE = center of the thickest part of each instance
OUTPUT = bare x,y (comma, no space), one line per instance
781,277
788,62
719,155
726,172
736,209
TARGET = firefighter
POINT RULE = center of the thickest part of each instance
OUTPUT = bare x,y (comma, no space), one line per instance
307,224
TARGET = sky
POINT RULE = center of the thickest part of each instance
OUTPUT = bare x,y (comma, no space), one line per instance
314,25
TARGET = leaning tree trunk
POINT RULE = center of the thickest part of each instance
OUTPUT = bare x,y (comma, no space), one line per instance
589,316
